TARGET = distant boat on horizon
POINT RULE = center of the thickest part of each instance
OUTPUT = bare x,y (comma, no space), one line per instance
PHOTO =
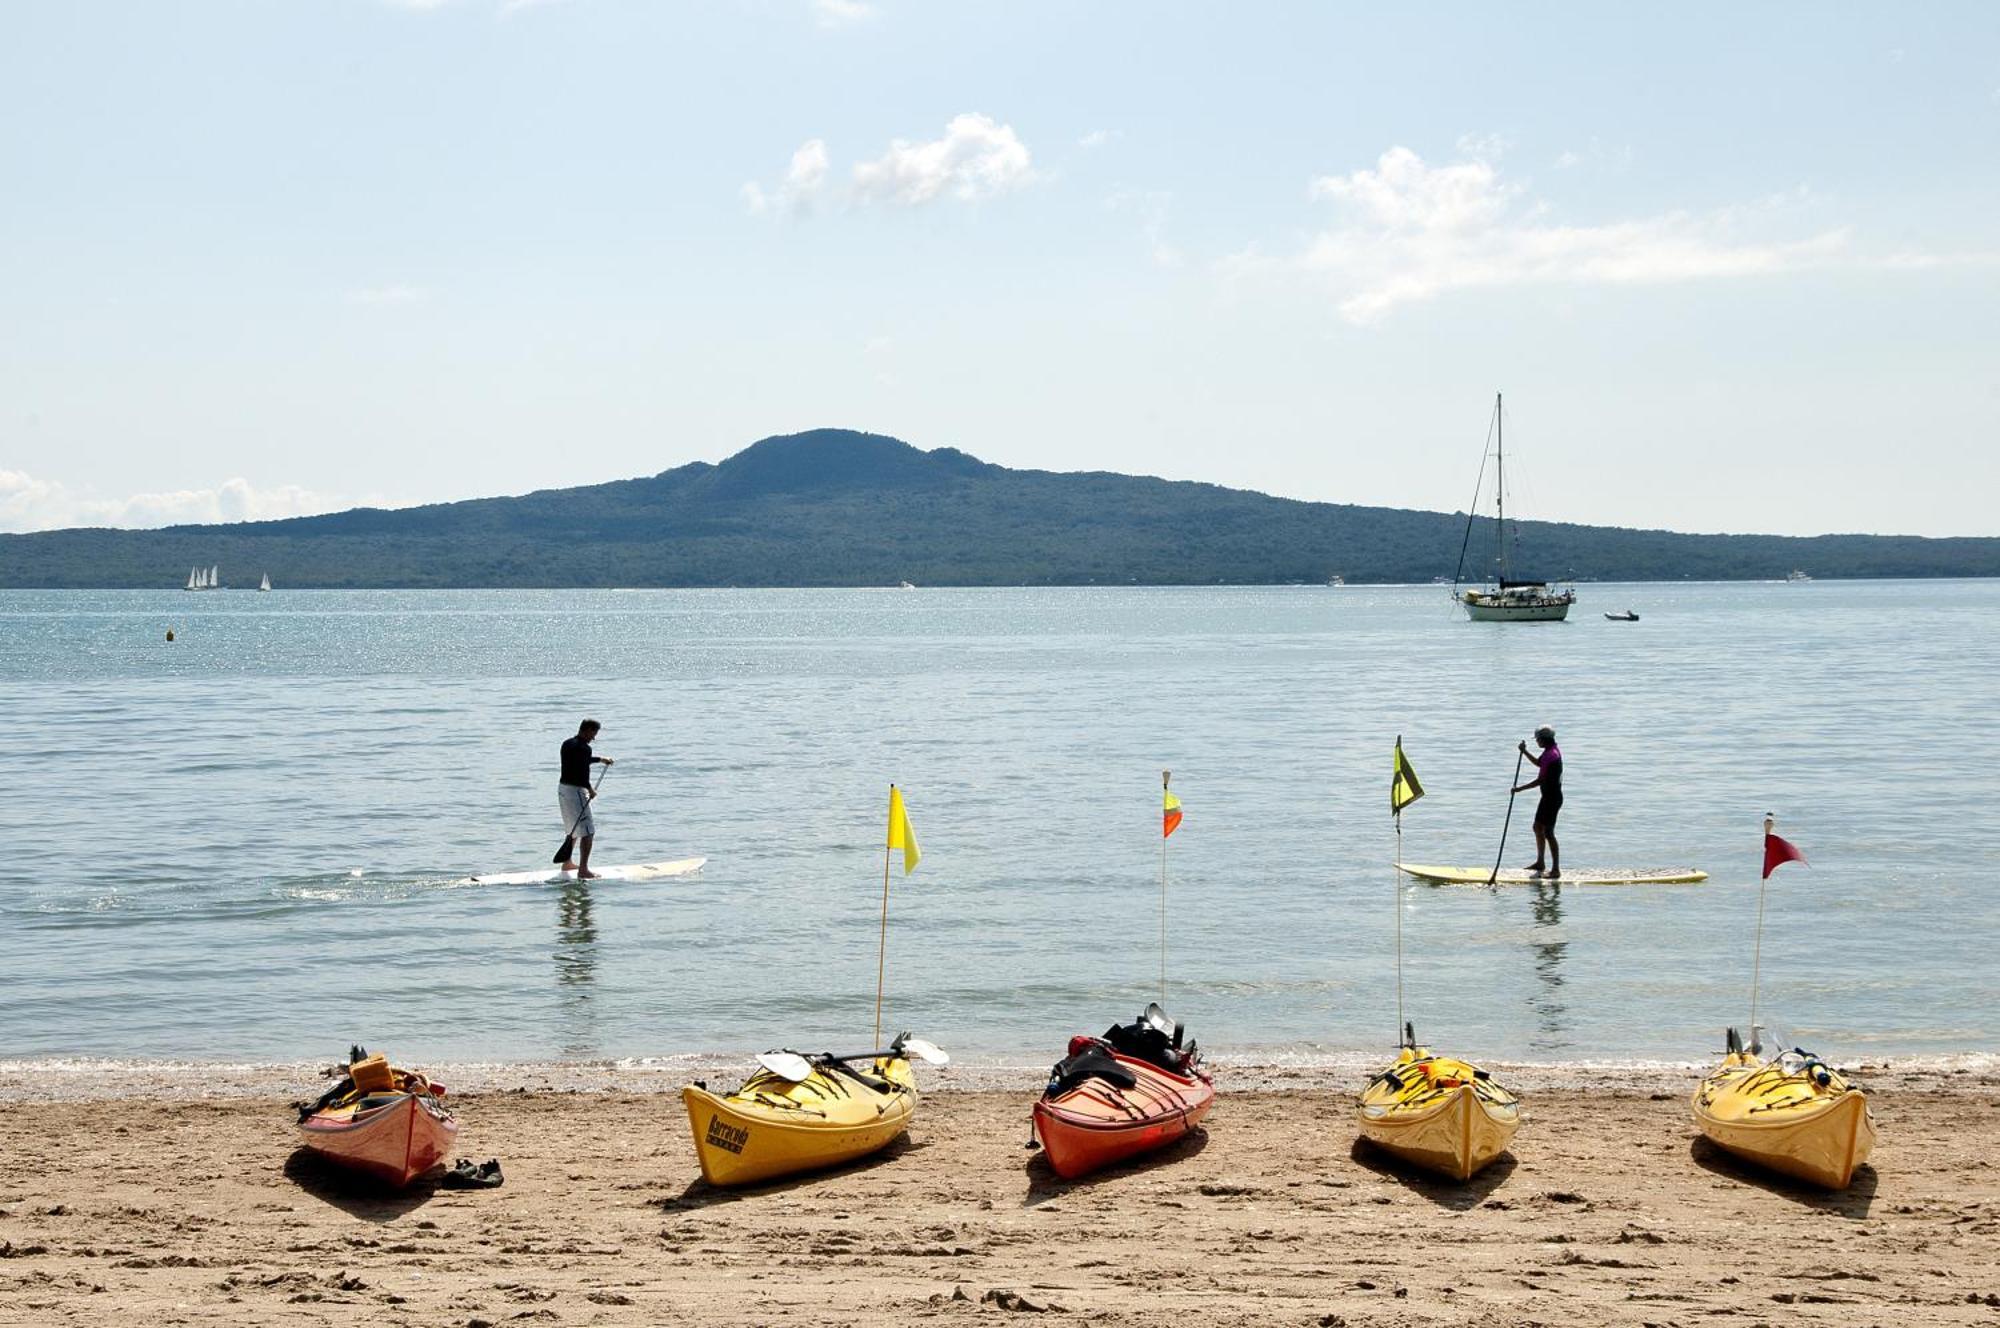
1797,574
1505,600
204,578
265,584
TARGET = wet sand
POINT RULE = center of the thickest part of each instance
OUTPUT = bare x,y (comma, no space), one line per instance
142,1211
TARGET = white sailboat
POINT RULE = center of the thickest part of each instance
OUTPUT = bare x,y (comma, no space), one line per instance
1505,599
265,584
215,578
194,580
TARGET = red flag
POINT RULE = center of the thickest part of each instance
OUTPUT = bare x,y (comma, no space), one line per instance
1777,851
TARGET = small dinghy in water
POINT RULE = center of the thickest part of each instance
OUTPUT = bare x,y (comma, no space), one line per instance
1138,1088
1627,616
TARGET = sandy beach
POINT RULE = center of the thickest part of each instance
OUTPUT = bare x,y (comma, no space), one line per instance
146,1211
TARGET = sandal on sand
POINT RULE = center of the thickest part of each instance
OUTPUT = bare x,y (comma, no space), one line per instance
466,1176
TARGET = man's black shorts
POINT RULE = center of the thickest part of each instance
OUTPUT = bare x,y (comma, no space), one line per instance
1545,813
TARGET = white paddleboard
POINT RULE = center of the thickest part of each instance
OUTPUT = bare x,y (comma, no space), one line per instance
1576,876
631,871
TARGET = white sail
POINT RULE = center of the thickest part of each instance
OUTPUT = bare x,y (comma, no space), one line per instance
190,584
265,584
214,577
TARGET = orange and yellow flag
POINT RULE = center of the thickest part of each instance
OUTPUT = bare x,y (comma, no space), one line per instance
901,834
1170,819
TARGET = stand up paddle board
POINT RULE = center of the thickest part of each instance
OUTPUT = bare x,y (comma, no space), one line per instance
631,871
1581,876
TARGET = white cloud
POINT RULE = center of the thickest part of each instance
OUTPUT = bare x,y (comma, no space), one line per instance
841,13
801,185
1485,147
27,503
975,159
1098,138
1409,232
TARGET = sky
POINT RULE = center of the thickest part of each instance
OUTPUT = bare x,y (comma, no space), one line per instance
1736,268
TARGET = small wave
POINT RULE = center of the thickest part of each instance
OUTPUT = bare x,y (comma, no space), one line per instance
1278,1069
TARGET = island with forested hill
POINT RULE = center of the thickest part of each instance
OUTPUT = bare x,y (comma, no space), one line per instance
834,507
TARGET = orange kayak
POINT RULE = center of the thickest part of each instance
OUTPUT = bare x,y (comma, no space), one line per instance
386,1123
1104,1103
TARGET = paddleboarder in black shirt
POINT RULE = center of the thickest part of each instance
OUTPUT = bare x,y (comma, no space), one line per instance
1549,779
574,795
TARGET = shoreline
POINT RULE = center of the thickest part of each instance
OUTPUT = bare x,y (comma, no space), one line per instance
56,1079
1607,1211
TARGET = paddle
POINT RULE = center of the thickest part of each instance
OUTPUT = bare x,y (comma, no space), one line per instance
795,1068
1495,877
569,840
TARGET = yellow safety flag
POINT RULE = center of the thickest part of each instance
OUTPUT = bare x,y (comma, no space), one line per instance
1404,788
901,834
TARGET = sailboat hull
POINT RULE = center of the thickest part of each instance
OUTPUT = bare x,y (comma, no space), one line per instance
1509,608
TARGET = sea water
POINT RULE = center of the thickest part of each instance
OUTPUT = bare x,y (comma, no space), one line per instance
247,844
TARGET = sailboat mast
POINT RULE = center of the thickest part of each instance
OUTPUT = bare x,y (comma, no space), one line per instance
1500,484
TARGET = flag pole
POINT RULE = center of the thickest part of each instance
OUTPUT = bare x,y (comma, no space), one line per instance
1757,953
1399,918
1165,777
882,945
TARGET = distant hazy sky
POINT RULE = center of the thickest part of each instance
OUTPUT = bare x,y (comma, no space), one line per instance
1737,267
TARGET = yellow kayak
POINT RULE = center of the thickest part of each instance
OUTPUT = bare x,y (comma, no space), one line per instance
1792,1114
1441,1114
773,1126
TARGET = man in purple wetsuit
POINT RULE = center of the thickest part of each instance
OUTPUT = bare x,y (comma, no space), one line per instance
1549,779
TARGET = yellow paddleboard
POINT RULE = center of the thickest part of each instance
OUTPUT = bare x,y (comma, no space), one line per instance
1570,876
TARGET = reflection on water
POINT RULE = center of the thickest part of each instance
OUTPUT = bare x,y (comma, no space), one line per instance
1551,1010
576,968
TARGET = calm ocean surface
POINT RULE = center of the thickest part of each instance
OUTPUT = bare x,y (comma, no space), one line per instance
243,845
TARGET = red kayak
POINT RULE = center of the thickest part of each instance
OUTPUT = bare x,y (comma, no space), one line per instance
1129,1092
386,1123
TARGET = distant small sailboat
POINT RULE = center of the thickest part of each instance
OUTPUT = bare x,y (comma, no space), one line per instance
203,578
265,584
1505,600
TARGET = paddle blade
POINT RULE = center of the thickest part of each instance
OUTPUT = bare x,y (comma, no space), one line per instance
562,854
927,1052
787,1065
